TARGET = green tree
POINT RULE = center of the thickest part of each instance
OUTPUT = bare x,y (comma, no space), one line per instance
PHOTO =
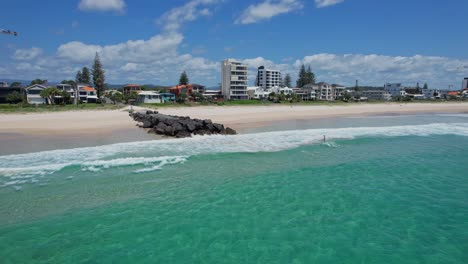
287,80
181,98
98,76
310,76
79,77
14,97
38,81
425,86
15,84
85,76
70,82
116,97
50,93
184,80
66,97
198,97
302,77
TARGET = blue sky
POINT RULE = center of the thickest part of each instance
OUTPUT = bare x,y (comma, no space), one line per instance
151,41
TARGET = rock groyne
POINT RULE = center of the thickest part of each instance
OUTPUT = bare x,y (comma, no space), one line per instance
178,126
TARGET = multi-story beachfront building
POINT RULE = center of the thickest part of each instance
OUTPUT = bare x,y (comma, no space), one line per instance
234,80
465,83
268,79
394,89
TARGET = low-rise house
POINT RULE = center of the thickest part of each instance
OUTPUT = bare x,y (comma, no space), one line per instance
256,92
149,97
197,88
66,88
213,94
181,89
431,93
33,94
301,93
4,84
281,90
167,97
377,95
87,94
129,88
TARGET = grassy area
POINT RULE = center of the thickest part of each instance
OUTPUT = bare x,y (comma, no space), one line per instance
19,108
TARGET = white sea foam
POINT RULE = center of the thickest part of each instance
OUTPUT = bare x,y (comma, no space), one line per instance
153,155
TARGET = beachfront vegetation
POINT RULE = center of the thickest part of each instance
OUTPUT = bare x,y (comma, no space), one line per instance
50,93
14,97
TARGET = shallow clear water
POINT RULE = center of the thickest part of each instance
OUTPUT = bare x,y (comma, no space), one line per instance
377,191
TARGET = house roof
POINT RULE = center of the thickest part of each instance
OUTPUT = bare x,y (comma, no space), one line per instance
87,88
453,93
35,86
132,85
178,87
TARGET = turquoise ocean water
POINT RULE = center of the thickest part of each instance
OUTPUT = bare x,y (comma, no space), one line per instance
382,189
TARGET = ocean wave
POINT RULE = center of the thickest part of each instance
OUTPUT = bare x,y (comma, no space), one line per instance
153,155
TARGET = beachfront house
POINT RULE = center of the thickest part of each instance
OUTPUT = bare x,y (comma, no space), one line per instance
33,94
431,93
255,92
167,97
66,88
181,89
87,94
129,88
149,97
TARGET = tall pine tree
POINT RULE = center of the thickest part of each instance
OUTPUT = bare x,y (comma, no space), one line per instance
85,75
98,76
184,80
79,77
301,81
310,76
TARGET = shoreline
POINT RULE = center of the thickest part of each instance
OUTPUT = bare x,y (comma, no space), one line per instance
23,133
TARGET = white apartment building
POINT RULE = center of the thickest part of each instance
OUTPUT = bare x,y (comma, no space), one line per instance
268,79
465,83
234,80
394,88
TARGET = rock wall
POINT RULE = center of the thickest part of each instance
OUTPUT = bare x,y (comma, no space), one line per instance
178,126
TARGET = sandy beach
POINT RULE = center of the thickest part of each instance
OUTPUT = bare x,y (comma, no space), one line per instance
105,122
21,133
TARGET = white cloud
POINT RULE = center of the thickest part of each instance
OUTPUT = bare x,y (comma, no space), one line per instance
102,5
173,19
325,3
267,10
375,69
27,54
